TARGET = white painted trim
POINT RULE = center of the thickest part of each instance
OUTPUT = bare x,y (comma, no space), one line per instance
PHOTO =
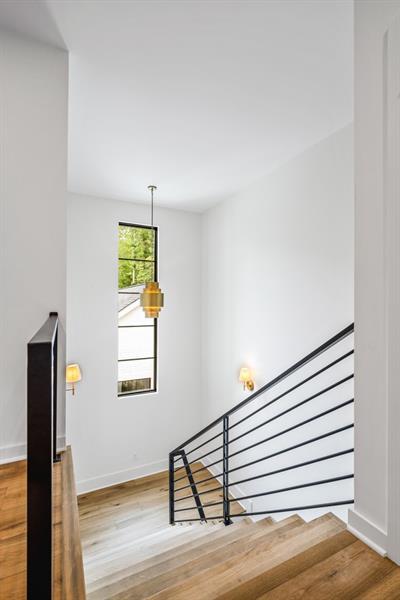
391,128
12,453
16,452
102,481
367,532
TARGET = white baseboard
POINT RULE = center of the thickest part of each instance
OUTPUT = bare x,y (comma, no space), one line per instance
12,453
367,532
17,452
102,481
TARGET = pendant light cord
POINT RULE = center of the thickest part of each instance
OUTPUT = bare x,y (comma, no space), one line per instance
152,210
152,188
154,237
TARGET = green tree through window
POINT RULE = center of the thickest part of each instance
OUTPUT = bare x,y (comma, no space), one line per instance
135,243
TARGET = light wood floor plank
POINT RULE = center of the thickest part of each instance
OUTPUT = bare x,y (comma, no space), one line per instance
68,572
131,553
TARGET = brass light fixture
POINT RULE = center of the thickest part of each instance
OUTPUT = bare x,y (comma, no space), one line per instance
72,375
246,378
152,298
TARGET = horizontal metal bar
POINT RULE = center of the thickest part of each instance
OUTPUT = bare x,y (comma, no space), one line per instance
133,359
129,293
198,482
335,362
137,392
179,469
204,506
203,443
203,456
285,412
271,437
195,460
138,226
292,509
133,326
278,491
216,489
290,409
275,472
291,467
274,511
295,367
148,260
296,426
305,443
217,518
294,487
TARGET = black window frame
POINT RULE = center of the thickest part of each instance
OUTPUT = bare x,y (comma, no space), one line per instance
154,389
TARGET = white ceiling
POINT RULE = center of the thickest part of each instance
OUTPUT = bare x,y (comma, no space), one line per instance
200,97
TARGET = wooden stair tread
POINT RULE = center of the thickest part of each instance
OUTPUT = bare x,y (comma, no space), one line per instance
131,553
265,554
203,563
136,550
268,580
179,562
214,537
344,574
387,588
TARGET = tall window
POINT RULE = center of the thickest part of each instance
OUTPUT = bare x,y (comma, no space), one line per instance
137,335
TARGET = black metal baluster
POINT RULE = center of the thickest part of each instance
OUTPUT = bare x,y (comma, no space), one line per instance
225,478
171,490
193,486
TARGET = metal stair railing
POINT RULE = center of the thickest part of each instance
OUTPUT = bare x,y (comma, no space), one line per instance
196,487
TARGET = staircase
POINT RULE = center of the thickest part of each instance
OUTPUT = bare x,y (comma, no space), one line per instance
285,449
251,496
131,553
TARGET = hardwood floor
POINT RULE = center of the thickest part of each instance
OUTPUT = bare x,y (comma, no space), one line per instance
130,552
68,570
12,530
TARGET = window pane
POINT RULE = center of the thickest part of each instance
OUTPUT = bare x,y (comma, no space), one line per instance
135,342
132,272
135,242
128,302
132,314
136,266
134,385
137,369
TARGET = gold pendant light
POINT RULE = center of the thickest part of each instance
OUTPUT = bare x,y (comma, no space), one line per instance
152,298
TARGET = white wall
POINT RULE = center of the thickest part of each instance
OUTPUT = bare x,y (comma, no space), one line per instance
116,439
277,281
372,19
33,138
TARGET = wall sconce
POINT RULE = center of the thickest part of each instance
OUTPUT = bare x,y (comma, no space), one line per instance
73,375
246,379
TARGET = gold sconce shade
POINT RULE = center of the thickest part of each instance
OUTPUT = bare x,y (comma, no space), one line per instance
73,373
152,300
246,379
